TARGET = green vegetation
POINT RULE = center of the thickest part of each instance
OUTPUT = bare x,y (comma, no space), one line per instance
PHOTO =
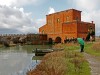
93,48
77,65
71,46
67,62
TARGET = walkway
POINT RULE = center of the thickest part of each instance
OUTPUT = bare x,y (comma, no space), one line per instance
94,63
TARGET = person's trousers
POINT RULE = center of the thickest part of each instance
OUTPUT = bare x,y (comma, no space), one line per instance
82,48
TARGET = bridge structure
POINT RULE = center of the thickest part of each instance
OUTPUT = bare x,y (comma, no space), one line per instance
29,38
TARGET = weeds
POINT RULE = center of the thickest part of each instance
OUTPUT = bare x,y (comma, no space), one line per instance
71,46
96,47
61,63
93,48
52,64
58,46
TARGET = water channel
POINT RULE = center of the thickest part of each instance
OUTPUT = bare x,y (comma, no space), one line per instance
17,60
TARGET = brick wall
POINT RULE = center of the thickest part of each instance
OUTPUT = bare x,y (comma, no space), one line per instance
65,24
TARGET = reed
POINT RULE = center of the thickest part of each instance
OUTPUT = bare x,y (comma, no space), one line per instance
52,64
61,63
58,45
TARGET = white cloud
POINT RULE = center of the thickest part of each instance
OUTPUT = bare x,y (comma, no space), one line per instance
88,5
24,2
40,22
28,29
15,20
19,3
6,2
51,10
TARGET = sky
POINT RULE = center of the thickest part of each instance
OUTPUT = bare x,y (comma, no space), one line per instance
26,16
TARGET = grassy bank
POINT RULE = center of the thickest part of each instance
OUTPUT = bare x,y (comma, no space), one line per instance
71,46
67,62
93,48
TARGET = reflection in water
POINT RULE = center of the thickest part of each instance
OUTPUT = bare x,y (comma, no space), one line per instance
17,60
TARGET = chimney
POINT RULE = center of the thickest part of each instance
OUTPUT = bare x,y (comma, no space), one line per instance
92,22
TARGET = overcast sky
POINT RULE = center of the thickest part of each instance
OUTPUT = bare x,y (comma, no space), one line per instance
26,16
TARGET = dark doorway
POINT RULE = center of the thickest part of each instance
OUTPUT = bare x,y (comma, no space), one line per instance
50,41
58,40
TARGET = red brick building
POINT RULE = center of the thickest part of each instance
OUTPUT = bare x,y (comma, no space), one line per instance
66,24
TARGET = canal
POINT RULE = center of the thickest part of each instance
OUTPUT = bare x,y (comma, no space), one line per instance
18,60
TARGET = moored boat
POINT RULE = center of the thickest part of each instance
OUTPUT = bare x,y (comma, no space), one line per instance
42,52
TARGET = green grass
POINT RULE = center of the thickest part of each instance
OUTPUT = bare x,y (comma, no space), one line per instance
67,62
76,64
62,63
85,70
71,46
90,50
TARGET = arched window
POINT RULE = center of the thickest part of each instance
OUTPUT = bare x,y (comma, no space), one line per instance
42,31
58,20
77,19
67,19
58,40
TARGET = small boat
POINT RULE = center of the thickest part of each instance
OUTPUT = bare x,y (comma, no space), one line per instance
41,52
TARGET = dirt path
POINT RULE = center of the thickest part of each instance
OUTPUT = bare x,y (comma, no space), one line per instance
94,63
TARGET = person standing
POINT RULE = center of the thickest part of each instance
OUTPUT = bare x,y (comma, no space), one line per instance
81,42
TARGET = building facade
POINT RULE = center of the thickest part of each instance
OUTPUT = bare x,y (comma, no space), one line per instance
66,24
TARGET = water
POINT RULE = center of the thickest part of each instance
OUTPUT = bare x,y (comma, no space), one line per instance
17,60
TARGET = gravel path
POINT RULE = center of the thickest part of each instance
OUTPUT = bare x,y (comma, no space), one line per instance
94,63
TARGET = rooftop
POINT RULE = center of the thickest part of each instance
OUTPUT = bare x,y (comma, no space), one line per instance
64,11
